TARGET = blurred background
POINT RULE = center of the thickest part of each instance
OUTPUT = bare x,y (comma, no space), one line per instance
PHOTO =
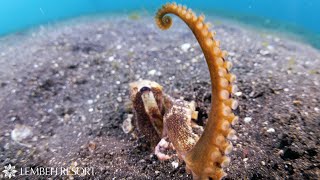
295,16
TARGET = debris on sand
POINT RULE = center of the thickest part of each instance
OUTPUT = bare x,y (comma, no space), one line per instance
127,126
20,133
271,130
247,119
185,47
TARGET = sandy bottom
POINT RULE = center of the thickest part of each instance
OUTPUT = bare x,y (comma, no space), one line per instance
64,89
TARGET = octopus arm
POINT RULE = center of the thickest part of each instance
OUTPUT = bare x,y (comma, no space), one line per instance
209,155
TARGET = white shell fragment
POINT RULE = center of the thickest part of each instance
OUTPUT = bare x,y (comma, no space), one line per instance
127,126
247,119
20,133
271,130
185,47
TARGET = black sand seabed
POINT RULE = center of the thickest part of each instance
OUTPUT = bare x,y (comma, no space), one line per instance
66,88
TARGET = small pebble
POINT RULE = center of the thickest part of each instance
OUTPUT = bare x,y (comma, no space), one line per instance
6,146
35,138
152,72
245,159
270,47
21,132
175,164
92,146
66,117
127,124
271,130
185,47
280,152
91,109
13,118
263,163
316,109
90,101
231,53
119,99
238,94
194,60
111,58
264,52
247,119
296,102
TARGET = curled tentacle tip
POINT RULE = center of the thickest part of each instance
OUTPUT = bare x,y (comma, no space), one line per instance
165,22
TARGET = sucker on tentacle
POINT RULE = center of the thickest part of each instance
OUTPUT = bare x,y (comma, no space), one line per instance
209,154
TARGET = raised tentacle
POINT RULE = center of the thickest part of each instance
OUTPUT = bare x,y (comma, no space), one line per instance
208,156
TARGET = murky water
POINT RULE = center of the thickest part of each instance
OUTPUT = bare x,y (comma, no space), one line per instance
297,16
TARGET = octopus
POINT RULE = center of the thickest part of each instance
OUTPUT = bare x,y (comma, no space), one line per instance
169,123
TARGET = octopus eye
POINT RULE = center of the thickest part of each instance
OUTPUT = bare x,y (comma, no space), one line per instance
145,88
